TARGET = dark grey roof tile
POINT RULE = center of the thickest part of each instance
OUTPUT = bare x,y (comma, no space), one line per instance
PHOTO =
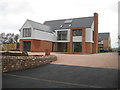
103,36
40,26
76,23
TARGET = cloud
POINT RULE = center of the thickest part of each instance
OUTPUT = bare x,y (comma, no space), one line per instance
13,13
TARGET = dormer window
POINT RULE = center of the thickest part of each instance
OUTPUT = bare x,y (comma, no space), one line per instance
69,25
68,21
61,25
26,32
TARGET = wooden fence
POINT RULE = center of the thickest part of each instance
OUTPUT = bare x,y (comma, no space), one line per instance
11,47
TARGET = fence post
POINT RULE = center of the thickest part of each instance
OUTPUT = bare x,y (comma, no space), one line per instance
47,52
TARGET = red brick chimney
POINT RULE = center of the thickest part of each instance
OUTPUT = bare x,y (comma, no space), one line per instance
95,35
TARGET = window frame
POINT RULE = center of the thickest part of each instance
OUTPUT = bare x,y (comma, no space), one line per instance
27,32
59,36
75,33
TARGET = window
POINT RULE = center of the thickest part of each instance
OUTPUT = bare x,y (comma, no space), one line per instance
100,42
68,21
26,32
77,32
61,25
62,35
69,25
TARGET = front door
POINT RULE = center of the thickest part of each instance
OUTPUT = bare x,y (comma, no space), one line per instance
77,47
26,45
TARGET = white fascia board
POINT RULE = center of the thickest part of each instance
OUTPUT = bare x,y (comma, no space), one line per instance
62,29
38,39
90,41
62,41
26,38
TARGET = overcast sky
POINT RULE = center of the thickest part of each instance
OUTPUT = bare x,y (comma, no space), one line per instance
14,13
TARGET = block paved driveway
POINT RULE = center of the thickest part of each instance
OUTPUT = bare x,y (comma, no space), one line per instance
58,75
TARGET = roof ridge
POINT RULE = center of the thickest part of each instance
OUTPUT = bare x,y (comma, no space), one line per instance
34,21
38,23
68,19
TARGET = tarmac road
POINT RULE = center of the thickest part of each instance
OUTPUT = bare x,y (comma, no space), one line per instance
61,76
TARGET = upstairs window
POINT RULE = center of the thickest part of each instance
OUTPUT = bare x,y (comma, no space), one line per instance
77,32
68,21
26,32
62,35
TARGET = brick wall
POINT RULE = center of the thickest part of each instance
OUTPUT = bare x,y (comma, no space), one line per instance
37,45
106,44
88,47
69,45
95,37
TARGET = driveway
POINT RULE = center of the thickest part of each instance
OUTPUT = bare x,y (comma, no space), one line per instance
70,71
101,60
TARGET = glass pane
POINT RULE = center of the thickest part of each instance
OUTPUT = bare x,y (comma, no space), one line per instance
27,32
62,35
77,32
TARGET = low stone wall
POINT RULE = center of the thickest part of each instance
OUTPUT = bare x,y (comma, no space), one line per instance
12,63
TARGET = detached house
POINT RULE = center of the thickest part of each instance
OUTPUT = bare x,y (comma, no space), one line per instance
65,35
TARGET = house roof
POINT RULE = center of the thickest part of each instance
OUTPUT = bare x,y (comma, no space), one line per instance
70,23
103,36
40,26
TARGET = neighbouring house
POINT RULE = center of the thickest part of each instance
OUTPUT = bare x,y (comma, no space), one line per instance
104,41
64,35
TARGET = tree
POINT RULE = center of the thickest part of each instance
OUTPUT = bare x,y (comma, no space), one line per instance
8,39
16,38
2,41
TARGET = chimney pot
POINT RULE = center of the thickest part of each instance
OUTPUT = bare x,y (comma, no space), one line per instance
95,14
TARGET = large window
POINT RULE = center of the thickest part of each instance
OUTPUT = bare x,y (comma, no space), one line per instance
26,32
62,35
77,32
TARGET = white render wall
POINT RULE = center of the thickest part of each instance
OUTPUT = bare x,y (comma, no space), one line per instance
41,35
26,25
77,38
37,34
89,35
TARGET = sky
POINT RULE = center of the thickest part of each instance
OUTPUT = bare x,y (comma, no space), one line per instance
14,13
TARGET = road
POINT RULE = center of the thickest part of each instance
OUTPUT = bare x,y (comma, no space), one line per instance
67,74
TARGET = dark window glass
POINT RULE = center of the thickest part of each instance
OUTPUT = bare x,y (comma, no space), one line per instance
26,32
77,32
62,35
